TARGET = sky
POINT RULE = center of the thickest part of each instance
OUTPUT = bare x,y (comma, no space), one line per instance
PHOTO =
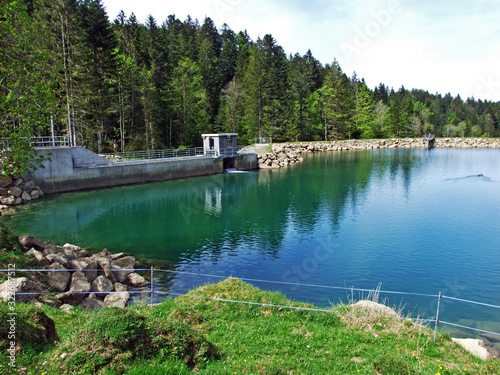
439,46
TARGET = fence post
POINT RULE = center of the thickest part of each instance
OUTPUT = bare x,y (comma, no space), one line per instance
152,288
437,316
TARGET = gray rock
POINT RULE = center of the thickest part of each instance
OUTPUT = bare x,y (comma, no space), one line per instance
25,197
58,279
104,268
92,304
18,201
104,253
3,191
119,287
67,308
34,194
5,181
70,254
29,186
18,182
81,253
117,300
15,191
50,248
102,285
30,241
40,192
88,265
37,255
475,347
19,285
126,263
79,283
136,280
70,298
59,258
115,256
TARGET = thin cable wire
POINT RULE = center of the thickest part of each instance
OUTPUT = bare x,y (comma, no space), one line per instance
473,302
74,270
473,329
249,303
301,284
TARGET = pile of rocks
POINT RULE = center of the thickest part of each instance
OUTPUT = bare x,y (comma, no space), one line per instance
281,157
286,154
17,191
90,280
467,142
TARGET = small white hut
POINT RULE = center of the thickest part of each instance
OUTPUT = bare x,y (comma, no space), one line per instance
220,145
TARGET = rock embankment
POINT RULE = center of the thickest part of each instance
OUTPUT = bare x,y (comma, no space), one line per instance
286,154
78,277
16,191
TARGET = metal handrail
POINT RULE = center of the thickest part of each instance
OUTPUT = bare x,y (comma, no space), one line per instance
41,142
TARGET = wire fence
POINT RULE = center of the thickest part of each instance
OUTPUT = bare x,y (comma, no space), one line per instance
40,142
151,292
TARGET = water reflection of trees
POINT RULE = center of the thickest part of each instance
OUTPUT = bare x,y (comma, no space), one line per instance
219,213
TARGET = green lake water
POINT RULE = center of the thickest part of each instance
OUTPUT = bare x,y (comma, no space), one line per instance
416,221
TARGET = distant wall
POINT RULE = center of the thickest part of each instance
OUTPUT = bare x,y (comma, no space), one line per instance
75,168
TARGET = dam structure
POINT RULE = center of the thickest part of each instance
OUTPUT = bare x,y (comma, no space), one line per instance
67,169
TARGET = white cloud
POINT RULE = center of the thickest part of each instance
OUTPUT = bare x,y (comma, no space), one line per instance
436,46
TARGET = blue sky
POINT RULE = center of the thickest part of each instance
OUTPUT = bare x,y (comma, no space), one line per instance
436,45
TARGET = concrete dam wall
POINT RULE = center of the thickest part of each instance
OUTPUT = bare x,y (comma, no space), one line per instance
76,168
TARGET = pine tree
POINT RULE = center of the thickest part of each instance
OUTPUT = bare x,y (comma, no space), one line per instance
27,99
100,65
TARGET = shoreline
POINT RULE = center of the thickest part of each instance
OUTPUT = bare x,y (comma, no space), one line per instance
286,154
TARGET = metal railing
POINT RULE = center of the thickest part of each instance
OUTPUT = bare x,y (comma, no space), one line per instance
40,142
171,153
151,292
153,154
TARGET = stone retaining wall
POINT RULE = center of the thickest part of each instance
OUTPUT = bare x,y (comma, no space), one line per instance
286,154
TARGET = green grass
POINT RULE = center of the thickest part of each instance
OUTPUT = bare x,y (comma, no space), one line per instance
194,335
12,252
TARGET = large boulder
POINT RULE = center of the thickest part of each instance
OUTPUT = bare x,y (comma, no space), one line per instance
119,287
8,200
104,267
30,241
87,265
92,304
58,258
19,285
58,279
125,263
15,191
117,300
38,256
476,347
136,280
5,181
79,283
25,197
50,248
101,285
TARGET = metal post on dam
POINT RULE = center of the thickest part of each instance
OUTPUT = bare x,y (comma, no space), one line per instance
428,141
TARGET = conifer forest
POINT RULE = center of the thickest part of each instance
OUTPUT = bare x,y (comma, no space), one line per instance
67,68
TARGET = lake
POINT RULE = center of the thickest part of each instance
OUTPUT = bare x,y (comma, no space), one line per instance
415,221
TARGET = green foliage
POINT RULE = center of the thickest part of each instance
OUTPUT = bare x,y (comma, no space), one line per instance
32,326
27,98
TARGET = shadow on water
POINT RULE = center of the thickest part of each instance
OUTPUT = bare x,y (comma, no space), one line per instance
479,177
